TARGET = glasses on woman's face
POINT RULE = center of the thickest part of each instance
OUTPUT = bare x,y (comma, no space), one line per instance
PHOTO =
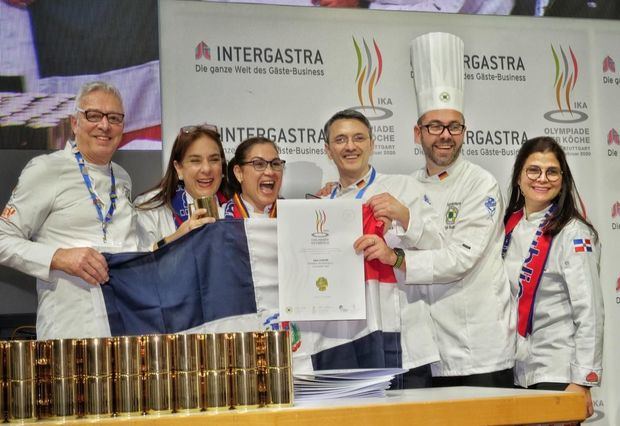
205,126
260,164
553,174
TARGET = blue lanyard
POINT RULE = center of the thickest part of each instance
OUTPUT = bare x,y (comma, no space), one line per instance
360,193
96,201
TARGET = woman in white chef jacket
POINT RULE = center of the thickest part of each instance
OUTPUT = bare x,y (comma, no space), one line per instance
552,259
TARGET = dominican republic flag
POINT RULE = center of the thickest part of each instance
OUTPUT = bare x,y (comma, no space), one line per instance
223,277
113,40
582,245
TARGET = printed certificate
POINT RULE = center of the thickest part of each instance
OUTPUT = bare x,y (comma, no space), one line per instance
320,275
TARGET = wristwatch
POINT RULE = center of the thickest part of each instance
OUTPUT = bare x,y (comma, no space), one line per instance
400,257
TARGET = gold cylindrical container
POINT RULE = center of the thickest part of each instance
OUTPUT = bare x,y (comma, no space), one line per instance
216,351
245,388
66,391
98,377
128,395
158,374
20,379
44,380
244,349
21,401
187,390
128,355
278,349
65,356
98,357
218,393
98,401
279,387
187,352
65,398
158,393
20,360
128,381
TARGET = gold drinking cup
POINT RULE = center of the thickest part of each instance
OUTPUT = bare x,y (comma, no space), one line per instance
209,204
278,349
244,353
159,368
218,394
98,381
245,388
215,351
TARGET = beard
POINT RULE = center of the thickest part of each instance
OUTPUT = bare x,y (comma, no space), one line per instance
441,159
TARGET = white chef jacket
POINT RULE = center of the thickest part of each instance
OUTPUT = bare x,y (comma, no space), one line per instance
464,281
566,343
417,340
157,223
51,208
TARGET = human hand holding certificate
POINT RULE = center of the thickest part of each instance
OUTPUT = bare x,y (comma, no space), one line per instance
320,275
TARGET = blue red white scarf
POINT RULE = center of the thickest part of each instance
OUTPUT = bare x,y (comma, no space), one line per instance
532,269
180,208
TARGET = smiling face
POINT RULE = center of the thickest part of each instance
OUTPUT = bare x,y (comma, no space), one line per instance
350,147
260,188
540,193
201,167
98,141
440,150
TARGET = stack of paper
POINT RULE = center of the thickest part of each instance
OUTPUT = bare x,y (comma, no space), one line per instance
331,384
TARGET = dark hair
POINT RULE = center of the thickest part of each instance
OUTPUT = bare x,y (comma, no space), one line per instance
567,198
241,156
168,185
347,114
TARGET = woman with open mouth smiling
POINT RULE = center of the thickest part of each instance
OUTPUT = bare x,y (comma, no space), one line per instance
196,169
551,255
255,177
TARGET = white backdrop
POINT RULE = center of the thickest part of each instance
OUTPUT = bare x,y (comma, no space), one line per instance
283,71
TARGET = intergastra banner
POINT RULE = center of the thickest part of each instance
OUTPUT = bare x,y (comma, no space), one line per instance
281,72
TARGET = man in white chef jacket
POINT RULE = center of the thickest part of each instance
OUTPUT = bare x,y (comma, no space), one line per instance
67,208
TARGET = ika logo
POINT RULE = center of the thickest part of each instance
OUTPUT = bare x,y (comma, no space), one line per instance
367,78
203,51
613,137
609,65
321,219
566,77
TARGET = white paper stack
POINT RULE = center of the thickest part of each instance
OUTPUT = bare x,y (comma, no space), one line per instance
333,384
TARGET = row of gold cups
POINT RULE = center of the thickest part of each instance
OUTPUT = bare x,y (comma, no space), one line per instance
136,375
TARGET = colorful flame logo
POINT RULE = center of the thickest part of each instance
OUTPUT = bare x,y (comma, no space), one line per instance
566,75
320,220
369,70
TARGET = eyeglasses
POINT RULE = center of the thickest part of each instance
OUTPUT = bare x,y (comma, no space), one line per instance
95,116
342,139
260,164
553,174
204,126
437,129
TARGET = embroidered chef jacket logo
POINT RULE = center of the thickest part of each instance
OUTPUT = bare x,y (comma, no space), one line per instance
491,205
452,212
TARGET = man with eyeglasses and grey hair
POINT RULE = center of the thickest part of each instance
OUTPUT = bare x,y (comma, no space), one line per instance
67,208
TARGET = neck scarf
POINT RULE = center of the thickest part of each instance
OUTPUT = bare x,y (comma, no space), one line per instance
532,269
237,209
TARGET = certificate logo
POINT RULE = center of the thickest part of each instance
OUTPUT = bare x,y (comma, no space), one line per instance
321,219
321,283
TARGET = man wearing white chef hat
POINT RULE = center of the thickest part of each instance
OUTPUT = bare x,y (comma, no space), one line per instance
464,282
